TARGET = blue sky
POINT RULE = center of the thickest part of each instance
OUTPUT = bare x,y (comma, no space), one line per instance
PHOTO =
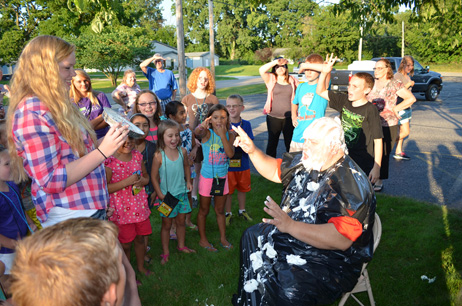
166,13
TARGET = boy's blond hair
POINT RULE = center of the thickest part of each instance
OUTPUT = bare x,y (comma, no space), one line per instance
237,97
72,263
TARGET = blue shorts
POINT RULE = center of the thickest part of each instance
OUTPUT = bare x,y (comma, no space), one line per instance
406,115
182,207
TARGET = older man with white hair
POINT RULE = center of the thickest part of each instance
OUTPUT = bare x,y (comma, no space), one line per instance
313,248
161,81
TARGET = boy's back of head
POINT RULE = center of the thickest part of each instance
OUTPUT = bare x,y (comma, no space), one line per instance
71,263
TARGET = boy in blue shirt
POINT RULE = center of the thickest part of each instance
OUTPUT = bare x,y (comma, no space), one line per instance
307,105
239,165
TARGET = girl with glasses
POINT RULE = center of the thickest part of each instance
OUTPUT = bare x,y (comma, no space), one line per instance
147,103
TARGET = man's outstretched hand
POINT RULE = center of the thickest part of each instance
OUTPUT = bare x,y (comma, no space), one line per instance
243,140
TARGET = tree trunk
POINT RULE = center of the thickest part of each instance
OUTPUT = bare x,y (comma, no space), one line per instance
180,47
232,54
113,80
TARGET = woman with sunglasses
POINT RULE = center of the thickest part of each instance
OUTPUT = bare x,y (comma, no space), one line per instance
281,92
89,102
385,96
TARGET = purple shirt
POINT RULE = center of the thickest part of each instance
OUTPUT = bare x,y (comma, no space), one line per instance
91,111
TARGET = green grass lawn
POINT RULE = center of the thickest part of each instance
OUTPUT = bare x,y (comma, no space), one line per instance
223,93
418,239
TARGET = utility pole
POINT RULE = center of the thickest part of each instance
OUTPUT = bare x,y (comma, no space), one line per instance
402,39
360,50
212,39
180,47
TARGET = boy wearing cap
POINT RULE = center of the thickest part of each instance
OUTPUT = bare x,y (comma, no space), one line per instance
161,81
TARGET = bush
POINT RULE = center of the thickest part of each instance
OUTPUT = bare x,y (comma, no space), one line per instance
264,55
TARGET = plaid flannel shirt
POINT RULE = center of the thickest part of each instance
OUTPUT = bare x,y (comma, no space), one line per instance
45,154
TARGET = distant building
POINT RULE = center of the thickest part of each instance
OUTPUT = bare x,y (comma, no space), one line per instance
168,52
200,59
8,71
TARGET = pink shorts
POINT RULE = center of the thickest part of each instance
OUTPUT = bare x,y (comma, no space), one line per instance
205,186
128,232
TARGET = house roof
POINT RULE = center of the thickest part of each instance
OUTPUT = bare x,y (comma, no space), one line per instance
161,43
200,54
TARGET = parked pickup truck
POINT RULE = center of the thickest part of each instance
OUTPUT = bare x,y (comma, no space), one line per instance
427,83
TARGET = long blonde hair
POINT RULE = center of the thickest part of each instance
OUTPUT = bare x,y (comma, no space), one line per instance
37,74
75,93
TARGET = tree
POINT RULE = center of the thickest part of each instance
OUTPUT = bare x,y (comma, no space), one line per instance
112,50
166,35
18,24
235,36
328,33
286,19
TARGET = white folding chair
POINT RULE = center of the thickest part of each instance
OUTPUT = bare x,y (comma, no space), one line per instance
363,280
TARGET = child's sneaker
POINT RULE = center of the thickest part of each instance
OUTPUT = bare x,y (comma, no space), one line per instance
195,203
228,219
245,215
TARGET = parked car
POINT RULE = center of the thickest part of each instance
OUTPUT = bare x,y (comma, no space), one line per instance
299,62
427,83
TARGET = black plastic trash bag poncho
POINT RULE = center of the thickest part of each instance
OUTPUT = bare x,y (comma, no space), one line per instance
277,269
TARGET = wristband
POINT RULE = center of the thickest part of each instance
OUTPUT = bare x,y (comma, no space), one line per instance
101,153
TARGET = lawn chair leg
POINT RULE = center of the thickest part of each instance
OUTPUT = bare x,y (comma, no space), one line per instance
344,299
369,289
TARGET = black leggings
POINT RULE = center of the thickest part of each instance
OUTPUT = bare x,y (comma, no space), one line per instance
390,134
275,126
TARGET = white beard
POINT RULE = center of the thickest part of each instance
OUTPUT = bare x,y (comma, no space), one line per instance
313,164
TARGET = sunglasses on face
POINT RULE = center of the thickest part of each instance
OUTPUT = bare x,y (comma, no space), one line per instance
279,66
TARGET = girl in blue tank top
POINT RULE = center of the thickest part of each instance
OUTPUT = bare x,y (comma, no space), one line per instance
217,147
171,177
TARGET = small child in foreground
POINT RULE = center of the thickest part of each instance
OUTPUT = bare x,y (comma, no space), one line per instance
172,181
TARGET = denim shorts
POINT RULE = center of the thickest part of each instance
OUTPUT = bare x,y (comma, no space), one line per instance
406,115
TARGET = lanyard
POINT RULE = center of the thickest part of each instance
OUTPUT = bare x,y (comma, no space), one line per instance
23,215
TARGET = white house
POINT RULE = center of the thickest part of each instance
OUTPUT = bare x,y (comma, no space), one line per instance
200,59
168,52
7,71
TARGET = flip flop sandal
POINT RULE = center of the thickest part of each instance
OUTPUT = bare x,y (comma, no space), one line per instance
148,273
193,227
228,247
210,248
378,188
164,258
185,248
